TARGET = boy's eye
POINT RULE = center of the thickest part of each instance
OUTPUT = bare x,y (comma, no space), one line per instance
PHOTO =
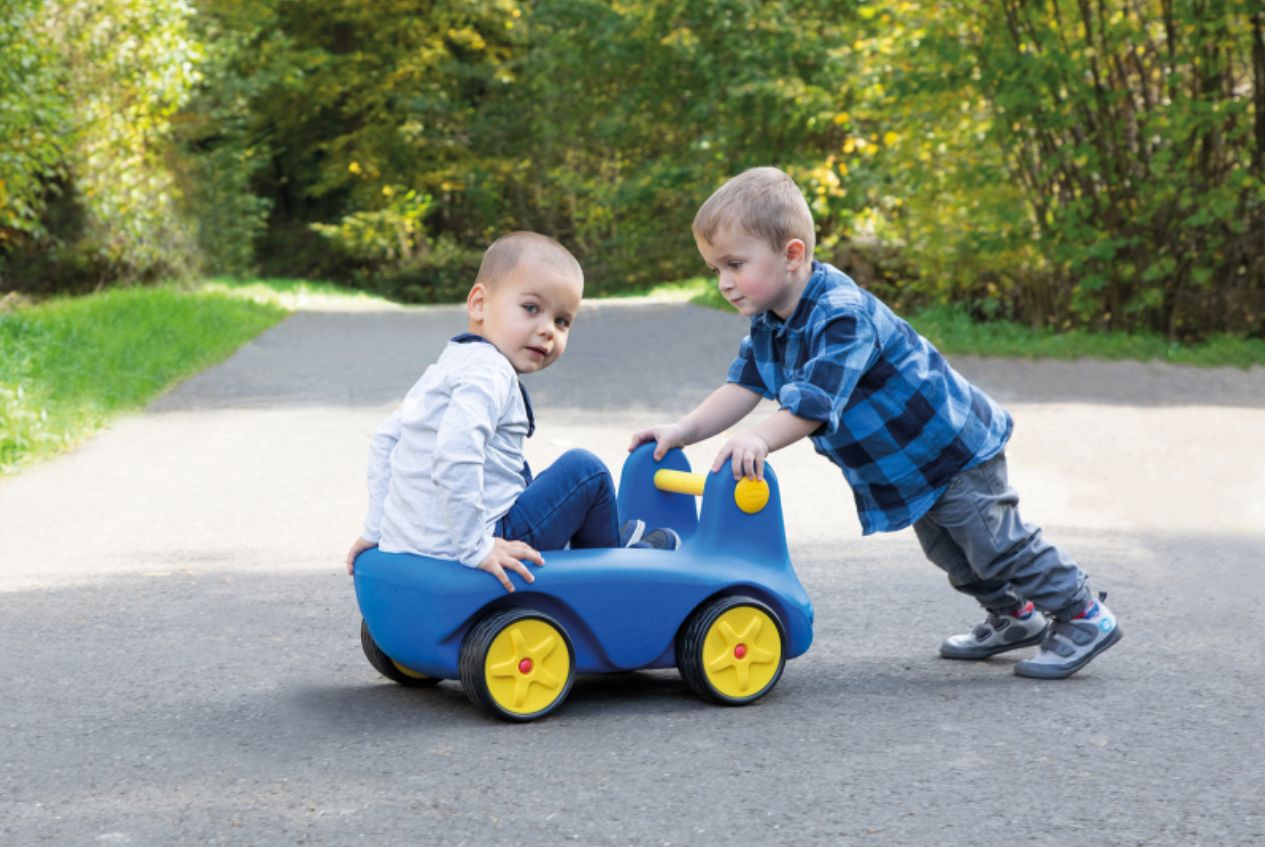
563,323
531,308
734,265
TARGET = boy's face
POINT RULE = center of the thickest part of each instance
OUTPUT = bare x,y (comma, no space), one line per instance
527,314
752,276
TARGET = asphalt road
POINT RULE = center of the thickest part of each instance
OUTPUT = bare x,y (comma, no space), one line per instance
179,661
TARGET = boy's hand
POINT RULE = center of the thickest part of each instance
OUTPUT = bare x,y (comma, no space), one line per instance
665,436
359,547
746,452
510,555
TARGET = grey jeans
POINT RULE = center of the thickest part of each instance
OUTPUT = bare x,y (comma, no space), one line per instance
975,535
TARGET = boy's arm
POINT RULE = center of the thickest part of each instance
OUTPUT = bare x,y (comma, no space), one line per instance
843,348
747,450
723,408
384,441
457,470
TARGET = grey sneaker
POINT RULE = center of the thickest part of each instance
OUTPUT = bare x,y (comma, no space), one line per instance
997,635
664,538
1071,645
630,532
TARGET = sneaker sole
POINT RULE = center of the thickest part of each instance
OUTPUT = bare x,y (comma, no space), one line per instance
1064,671
948,652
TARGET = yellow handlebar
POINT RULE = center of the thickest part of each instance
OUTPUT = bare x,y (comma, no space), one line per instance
749,495
679,482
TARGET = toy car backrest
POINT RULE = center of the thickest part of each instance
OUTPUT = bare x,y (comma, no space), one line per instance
743,515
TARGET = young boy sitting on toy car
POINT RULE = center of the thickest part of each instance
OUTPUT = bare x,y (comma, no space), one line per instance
917,442
447,477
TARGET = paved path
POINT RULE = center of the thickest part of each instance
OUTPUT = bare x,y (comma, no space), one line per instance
179,660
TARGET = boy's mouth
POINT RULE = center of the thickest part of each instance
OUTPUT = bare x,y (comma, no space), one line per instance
538,352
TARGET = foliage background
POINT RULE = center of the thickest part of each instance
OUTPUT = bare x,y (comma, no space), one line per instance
1066,163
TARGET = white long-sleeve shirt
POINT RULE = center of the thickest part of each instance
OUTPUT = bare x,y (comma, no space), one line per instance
448,464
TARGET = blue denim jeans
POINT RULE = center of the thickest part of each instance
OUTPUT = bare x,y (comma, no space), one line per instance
974,534
571,501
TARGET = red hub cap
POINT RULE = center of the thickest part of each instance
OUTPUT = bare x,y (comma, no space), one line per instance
740,651
524,666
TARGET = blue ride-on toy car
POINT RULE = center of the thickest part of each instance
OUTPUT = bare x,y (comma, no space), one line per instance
726,608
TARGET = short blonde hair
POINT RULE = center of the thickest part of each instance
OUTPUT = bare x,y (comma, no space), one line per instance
507,251
764,202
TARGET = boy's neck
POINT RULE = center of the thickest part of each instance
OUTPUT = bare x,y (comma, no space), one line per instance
785,306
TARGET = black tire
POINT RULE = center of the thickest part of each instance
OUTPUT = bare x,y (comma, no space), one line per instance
474,663
383,664
692,640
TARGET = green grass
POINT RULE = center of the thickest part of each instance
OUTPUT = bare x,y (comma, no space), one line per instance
954,333
69,365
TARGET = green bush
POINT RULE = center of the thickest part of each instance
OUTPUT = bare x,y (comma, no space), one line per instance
1071,164
1062,164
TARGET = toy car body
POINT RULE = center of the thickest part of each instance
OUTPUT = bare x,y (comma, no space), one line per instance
726,607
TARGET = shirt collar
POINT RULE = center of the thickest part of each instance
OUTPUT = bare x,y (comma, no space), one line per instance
469,337
807,299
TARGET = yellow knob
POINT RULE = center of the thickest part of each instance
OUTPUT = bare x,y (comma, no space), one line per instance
751,495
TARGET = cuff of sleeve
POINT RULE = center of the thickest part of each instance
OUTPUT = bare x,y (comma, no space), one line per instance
485,547
807,401
738,375
373,535
757,389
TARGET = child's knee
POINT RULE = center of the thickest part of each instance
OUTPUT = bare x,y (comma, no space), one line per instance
583,463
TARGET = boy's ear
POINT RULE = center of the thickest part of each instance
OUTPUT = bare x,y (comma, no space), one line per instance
796,252
475,301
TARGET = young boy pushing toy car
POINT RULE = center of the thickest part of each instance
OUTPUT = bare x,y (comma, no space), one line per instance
447,476
918,444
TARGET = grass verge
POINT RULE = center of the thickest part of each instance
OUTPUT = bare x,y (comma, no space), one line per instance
954,333
68,365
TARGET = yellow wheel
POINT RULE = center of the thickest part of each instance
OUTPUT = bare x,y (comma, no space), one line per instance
518,664
732,651
390,668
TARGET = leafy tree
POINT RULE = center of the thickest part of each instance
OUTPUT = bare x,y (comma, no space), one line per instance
1098,165
1064,162
99,80
129,67
635,112
32,113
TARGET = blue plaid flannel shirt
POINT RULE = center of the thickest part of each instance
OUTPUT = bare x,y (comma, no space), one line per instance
895,417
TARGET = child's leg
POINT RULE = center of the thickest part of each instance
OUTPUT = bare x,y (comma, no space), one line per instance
995,595
573,500
980,515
